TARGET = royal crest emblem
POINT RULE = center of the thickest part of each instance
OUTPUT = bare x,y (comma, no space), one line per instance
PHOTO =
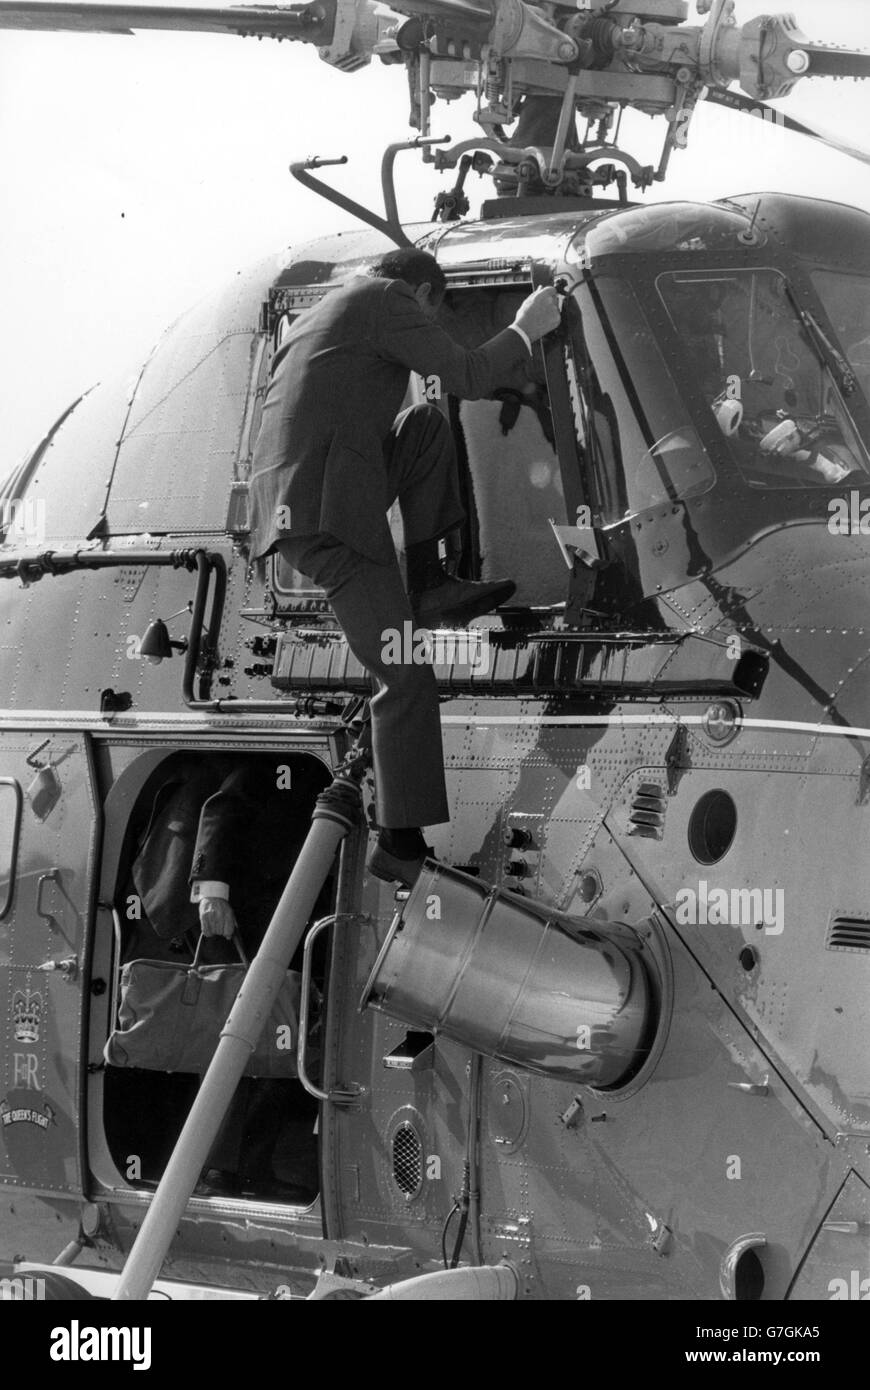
26,1015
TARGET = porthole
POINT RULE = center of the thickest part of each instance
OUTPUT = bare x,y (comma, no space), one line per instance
748,1278
712,827
742,1271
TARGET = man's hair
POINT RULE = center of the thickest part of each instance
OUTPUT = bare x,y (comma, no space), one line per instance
414,267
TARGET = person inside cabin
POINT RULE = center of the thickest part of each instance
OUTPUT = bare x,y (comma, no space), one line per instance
220,840
768,387
333,453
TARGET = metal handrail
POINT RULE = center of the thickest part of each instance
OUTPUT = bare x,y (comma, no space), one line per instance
206,564
337,1097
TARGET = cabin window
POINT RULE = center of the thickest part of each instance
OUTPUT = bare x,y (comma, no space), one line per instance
647,449
10,822
515,487
768,374
509,473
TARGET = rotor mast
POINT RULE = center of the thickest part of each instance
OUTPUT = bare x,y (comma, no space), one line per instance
535,64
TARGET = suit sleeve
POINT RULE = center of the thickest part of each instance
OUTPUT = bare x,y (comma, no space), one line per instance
224,822
408,337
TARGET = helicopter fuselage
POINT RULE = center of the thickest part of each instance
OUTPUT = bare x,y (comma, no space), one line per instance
665,743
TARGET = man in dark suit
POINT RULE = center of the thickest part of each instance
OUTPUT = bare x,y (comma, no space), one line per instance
249,834
224,826
329,460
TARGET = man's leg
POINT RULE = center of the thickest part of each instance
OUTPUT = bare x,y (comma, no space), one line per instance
273,1106
370,603
420,457
220,1174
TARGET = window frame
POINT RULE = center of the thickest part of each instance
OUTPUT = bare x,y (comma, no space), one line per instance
612,507
16,835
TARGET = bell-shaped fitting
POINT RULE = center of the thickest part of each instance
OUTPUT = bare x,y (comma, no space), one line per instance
156,645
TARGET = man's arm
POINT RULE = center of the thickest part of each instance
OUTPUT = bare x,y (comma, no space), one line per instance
222,823
407,336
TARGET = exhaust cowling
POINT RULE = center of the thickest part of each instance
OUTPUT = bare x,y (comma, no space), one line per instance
511,979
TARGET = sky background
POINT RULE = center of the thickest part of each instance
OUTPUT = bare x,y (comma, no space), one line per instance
137,173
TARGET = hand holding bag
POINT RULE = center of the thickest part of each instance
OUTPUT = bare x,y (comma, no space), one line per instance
170,1018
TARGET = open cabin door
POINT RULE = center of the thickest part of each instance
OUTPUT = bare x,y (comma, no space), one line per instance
49,834
518,452
244,812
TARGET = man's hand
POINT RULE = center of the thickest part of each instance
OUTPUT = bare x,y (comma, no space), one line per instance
216,917
539,314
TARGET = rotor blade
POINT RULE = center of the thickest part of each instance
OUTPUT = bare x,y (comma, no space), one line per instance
457,10
264,21
747,106
837,62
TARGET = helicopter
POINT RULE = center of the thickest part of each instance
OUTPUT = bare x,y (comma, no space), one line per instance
627,990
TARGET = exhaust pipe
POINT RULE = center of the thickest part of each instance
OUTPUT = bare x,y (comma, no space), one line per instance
552,994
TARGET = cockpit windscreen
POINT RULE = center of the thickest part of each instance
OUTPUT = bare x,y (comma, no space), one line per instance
846,299
774,380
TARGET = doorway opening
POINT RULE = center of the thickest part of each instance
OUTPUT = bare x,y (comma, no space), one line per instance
211,840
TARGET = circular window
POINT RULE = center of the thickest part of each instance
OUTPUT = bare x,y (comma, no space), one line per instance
712,827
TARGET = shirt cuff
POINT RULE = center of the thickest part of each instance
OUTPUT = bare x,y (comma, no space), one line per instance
524,335
209,888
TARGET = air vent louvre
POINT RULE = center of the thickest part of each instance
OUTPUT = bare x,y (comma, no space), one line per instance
849,934
647,815
407,1160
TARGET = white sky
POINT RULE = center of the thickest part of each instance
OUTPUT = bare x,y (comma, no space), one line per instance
138,172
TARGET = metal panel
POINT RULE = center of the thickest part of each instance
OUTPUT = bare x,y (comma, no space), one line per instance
186,423
42,948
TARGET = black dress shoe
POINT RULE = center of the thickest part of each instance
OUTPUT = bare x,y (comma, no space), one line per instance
217,1183
457,601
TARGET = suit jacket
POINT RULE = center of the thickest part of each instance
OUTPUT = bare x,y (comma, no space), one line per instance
337,384
226,819
250,833
161,867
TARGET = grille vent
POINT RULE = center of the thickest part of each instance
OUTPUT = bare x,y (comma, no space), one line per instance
849,934
407,1160
647,815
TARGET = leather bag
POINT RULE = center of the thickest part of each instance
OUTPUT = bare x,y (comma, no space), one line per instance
170,1018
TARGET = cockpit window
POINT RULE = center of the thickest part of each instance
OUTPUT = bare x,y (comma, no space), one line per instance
637,424
769,374
847,303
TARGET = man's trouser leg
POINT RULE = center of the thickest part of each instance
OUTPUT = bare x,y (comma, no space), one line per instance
421,472
370,603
